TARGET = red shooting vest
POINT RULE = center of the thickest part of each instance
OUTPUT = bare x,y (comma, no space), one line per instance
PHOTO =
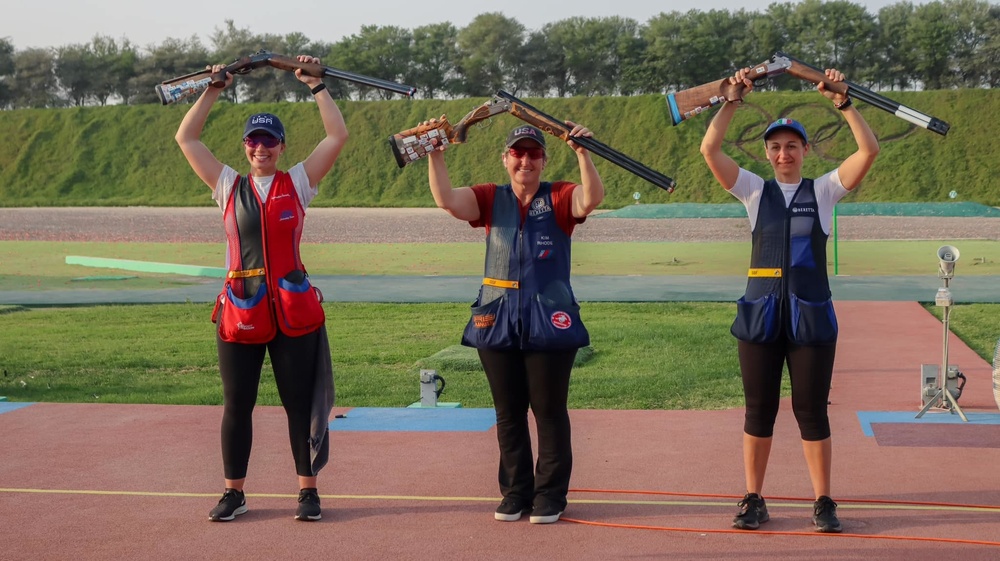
267,287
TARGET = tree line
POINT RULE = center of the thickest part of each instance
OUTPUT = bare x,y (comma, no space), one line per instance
937,45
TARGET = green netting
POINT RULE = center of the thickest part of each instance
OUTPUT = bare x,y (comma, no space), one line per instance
736,210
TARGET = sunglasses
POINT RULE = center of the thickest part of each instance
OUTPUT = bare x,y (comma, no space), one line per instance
532,153
267,141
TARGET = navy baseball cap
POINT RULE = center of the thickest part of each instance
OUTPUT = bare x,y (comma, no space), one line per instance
265,122
787,124
525,131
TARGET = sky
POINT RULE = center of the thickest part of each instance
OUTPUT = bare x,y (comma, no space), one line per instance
58,23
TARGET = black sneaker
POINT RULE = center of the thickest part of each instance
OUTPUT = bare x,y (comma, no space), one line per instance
308,505
753,512
825,516
511,509
232,504
545,514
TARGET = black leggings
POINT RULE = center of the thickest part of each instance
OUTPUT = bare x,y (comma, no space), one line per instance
293,360
519,379
810,370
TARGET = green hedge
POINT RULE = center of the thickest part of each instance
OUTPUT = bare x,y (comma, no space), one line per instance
126,155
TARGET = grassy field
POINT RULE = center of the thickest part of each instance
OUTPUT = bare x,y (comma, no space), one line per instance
645,356
126,155
42,265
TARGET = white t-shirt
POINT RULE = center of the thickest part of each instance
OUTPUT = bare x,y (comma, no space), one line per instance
224,187
829,190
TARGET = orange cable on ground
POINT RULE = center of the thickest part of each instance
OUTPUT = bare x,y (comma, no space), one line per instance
774,533
778,498
770,533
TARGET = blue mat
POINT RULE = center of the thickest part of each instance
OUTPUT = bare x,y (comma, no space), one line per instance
868,418
415,420
6,406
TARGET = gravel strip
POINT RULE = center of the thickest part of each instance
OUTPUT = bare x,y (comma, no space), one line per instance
431,225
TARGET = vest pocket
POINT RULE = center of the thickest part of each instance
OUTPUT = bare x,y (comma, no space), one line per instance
300,307
489,328
244,320
756,320
552,326
813,323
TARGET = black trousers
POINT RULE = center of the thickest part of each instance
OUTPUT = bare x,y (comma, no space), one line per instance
539,380
293,360
810,370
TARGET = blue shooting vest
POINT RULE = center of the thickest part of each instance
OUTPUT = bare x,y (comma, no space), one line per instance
526,301
787,284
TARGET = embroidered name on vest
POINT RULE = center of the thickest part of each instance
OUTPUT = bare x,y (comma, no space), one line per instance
484,321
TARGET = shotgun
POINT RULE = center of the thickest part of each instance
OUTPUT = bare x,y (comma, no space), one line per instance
182,87
413,144
687,103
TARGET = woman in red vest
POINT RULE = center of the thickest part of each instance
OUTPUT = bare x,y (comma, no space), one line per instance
267,304
526,322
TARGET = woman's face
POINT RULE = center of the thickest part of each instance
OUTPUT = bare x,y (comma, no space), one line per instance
786,151
263,151
524,162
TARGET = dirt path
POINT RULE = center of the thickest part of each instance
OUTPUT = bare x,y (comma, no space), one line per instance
426,225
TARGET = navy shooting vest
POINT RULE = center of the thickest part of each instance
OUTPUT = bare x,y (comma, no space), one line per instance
787,285
526,301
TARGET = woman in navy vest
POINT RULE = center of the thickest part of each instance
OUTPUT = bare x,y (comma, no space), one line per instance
786,315
526,322
267,304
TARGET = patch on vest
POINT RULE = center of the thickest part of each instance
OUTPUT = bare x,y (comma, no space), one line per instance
539,206
561,320
484,321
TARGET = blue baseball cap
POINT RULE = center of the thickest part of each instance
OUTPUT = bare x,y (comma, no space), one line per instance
525,131
265,122
787,124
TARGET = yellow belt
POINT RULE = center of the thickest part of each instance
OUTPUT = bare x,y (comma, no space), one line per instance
768,273
246,273
501,283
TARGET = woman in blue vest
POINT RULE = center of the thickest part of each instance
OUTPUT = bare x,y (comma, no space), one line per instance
267,304
526,322
787,315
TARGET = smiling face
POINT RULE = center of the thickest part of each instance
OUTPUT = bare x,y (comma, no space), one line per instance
262,151
524,162
786,151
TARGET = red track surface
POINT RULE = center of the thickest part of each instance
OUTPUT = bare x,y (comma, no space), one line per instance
87,482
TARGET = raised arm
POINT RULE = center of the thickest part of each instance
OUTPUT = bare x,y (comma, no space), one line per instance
590,193
205,165
319,162
724,168
461,202
853,169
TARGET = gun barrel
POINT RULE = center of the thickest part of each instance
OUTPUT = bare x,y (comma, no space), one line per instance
928,122
370,81
556,128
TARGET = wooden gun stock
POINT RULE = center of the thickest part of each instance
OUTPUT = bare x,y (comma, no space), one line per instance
183,87
692,102
415,143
